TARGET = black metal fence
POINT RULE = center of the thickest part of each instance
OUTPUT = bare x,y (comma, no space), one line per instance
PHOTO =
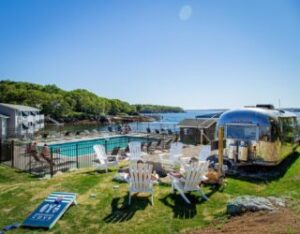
64,156
135,127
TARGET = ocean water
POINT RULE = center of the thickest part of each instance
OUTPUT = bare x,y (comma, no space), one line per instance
175,118
167,121
170,120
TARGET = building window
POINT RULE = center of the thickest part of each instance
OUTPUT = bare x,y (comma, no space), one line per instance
25,114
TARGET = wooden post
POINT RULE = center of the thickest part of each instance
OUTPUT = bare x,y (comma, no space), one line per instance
221,150
201,136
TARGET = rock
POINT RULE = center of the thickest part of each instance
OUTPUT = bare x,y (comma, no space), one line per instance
246,203
73,169
278,202
58,173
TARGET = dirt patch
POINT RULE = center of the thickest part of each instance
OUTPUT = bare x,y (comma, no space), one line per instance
277,222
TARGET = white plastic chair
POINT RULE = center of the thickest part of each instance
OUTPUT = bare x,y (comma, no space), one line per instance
140,179
135,151
104,160
172,158
194,174
205,152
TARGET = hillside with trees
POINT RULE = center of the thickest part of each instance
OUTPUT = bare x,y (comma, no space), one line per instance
157,109
59,103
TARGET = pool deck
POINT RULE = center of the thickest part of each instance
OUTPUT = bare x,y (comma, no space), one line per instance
25,162
74,139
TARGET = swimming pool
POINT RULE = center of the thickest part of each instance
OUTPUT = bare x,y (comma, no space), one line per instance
85,147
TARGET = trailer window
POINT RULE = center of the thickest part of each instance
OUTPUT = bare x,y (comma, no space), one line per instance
288,126
264,133
241,132
275,131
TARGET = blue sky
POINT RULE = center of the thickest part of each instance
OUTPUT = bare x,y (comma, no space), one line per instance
194,54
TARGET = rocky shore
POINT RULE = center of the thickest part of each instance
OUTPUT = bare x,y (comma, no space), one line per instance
103,119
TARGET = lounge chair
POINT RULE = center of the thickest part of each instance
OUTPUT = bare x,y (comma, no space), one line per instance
148,130
40,163
68,135
176,139
140,179
110,129
170,132
95,132
147,146
143,145
173,157
37,161
119,129
164,145
45,135
194,174
154,146
115,151
103,160
125,151
156,131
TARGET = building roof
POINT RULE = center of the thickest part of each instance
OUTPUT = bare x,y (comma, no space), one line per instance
19,107
210,115
196,123
4,116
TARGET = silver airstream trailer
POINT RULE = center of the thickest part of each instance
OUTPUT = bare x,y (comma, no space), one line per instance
259,135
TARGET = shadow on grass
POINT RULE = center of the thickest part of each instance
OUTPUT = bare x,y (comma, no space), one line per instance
265,174
180,208
122,212
97,171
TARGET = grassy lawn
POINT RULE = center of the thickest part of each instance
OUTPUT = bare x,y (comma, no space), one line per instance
106,210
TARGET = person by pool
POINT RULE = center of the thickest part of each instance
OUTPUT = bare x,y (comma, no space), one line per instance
45,154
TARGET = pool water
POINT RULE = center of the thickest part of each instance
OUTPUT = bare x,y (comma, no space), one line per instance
85,147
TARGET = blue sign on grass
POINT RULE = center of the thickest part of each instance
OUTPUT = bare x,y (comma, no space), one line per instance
47,213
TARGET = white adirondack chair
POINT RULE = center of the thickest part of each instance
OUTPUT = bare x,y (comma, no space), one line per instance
140,179
194,174
172,158
103,160
135,151
205,152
